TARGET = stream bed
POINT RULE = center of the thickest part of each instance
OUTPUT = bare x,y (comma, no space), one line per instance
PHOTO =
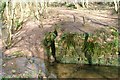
18,66
82,71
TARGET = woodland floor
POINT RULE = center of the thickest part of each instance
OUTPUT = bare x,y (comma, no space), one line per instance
30,36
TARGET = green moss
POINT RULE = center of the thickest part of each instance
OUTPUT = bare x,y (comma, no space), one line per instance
17,54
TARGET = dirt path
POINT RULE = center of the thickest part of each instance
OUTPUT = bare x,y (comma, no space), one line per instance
30,36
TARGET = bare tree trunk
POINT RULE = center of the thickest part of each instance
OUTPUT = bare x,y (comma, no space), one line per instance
77,6
22,12
10,25
116,6
37,14
87,3
42,7
83,3
119,15
12,16
46,5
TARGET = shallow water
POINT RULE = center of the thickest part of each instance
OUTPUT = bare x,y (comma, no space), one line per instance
81,71
57,70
